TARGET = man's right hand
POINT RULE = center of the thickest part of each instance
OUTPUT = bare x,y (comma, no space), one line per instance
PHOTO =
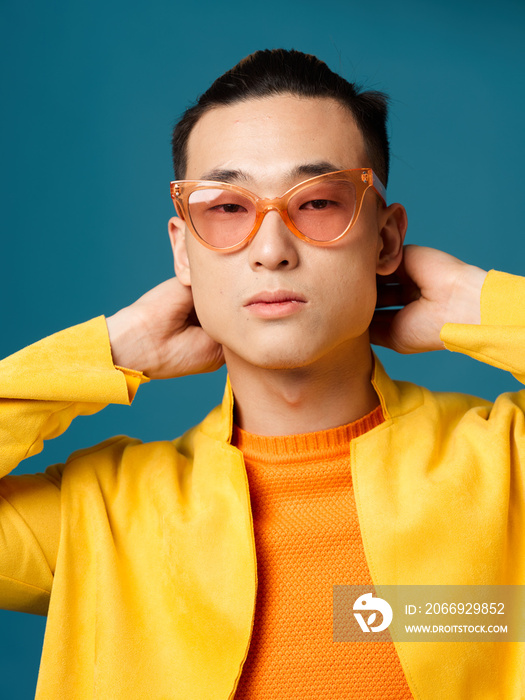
160,335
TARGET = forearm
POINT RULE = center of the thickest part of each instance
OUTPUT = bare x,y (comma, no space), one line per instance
499,338
44,386
42,389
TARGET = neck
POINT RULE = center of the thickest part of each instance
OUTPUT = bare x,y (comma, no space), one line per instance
333,391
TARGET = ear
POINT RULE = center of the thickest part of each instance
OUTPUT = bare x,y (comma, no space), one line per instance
392,229
177,234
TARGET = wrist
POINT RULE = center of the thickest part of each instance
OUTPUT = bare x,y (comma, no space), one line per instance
466,299
125,343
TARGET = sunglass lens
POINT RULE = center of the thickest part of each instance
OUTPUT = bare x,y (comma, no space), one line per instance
220,217
325,210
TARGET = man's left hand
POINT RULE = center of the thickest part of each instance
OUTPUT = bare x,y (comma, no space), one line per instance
433,288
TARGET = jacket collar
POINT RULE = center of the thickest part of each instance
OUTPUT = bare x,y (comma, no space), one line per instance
394,402
397,398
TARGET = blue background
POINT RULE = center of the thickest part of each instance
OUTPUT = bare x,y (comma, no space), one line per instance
91,92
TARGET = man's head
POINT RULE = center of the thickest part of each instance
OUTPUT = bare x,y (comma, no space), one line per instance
280,302
280,72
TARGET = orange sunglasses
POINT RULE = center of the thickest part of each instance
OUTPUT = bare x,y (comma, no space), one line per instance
320,210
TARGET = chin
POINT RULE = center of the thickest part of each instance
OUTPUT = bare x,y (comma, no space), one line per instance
274,359
283,364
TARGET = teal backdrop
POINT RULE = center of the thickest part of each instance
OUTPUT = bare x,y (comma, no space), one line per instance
91,92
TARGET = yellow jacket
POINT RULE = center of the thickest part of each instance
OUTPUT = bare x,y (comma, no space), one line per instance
143,556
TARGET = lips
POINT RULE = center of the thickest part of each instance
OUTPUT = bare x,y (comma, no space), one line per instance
279,296
278,304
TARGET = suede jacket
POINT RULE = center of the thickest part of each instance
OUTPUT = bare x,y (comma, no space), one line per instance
143,556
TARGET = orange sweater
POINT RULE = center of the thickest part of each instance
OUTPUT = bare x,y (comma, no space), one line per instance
308,539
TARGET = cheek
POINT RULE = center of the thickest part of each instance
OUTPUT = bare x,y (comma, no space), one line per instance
350,289
354,270
209,304
355,299
209,286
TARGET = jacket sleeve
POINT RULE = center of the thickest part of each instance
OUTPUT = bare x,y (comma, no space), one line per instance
42,388
500,338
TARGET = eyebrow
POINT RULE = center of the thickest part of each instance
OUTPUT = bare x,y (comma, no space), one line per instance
312,169
307,169
220,175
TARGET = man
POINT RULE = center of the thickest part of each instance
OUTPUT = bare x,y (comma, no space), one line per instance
204,567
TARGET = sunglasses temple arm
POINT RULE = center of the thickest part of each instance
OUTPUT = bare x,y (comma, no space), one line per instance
379,187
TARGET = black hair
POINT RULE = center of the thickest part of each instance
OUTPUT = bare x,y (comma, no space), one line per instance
280,71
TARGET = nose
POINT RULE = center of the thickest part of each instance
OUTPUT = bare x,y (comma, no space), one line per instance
274,246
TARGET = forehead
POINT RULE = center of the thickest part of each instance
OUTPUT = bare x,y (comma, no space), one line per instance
266,138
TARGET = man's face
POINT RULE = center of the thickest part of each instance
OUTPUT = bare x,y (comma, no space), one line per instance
280,302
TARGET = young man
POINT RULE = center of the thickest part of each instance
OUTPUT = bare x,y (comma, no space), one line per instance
204,567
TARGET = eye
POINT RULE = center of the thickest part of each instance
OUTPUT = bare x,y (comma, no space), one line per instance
229,208
318,204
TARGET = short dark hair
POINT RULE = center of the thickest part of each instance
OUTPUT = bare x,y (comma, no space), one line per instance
277,72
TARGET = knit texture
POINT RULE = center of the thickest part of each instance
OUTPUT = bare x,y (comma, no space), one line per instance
308,539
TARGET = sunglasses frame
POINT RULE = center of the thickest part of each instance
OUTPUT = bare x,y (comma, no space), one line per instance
361,178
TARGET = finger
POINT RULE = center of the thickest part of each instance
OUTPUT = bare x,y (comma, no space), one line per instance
392,278
380,328
399,276
193,319
396,295
389,295
180,295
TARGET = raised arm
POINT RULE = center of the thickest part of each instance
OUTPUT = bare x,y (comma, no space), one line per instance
45,386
